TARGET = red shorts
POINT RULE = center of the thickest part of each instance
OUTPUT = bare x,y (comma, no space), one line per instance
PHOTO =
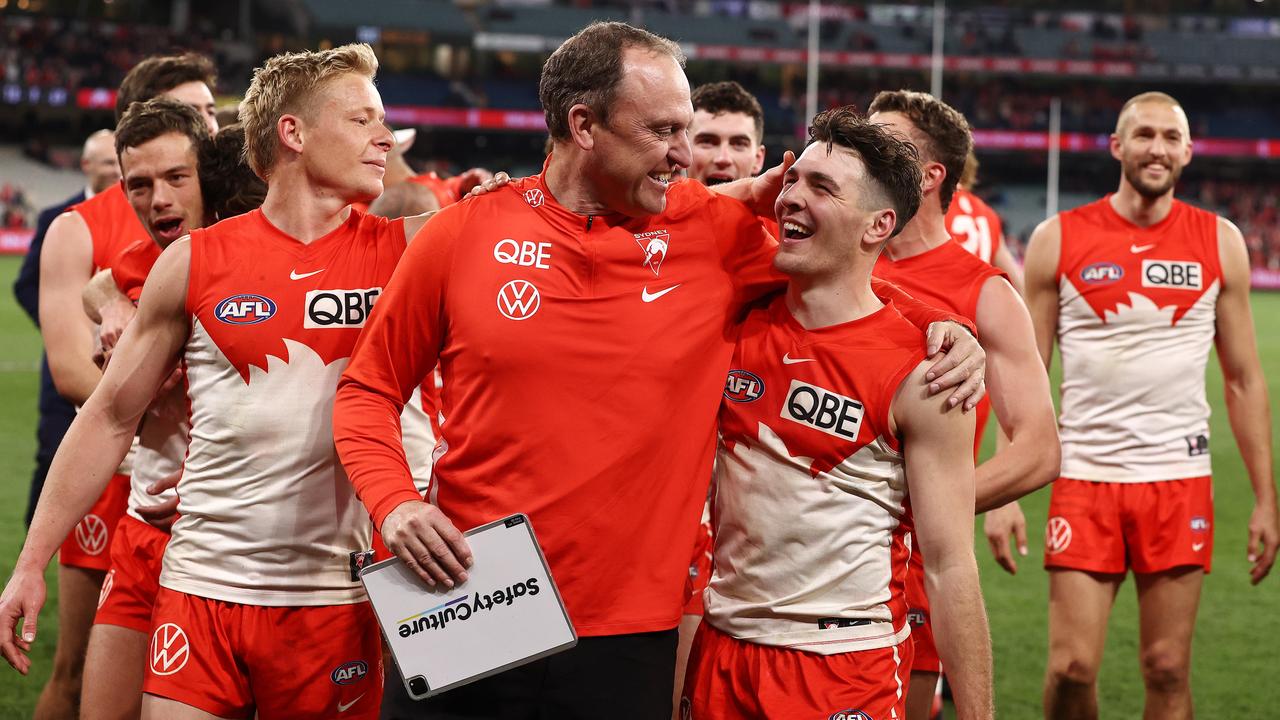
926,652
129,593
233,660
88,546
1110,527
730,678
699,571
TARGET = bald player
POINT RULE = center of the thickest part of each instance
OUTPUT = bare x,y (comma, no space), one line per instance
1136,288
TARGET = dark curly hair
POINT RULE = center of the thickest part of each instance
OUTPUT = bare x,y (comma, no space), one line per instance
946,134
729,97
228,184
893,164
146,121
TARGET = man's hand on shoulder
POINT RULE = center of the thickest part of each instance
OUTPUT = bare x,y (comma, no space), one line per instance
427,541
962,367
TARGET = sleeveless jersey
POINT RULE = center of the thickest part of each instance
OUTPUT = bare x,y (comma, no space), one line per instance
813,527
974,225
583,358
113,224
946,277
1136,318
268,516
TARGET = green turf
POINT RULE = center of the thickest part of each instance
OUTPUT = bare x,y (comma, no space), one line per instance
1235,641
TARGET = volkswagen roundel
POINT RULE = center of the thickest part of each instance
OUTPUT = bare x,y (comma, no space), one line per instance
245,309
1103,273
743,386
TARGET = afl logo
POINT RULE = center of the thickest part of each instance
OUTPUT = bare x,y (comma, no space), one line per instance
349,673
850,714
245,309
1103,273
1057,535
743,386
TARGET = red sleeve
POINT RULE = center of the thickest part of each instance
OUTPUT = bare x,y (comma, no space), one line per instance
396,352
916,312
747,250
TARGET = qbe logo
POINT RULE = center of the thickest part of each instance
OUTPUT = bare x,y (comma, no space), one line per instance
1171,274
169,650
822,410
349,673
1103,273
91,534
1057,535
339,308
245,309
524,253
519,300
743,386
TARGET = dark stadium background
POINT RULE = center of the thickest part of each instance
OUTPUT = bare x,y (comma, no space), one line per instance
464,72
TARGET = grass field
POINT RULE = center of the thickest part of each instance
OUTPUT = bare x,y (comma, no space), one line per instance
1235,644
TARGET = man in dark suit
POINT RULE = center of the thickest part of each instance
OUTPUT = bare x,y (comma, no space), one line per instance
101,168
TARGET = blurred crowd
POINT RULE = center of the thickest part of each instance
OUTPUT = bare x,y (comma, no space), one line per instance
1254,208
15,211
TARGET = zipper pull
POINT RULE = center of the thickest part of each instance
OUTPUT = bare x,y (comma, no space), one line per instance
590,219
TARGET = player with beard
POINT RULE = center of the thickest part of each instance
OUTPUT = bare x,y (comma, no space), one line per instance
581,377
85,239
1136,288
256,606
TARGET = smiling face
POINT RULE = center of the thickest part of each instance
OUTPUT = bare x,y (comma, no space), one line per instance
344,139
161,181
724,147
825,210
1153,144
646,137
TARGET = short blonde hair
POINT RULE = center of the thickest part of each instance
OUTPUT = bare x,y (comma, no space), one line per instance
1153,96
283,85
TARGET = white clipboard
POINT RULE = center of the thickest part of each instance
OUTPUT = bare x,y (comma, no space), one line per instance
506,614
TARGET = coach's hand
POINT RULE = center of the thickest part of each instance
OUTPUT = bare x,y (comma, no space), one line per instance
999,524
766,186
22,598
964,364
420,535
1264,535
161,515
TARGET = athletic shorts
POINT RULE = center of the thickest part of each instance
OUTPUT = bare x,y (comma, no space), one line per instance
128,594
1110,527
233,660
699,571
89,544
729,679
926,651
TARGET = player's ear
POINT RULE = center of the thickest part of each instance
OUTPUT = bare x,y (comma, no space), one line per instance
759,163
1114,144
881,227
289,132
931,176
583,123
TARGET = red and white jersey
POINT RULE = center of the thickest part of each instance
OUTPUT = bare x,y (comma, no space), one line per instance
582,358
1136,317
812,521
949,278
974,225
268,516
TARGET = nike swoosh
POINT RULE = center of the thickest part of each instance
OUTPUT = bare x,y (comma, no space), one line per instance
650,297
293,275
788,360
1140,248
343,707
1196,547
